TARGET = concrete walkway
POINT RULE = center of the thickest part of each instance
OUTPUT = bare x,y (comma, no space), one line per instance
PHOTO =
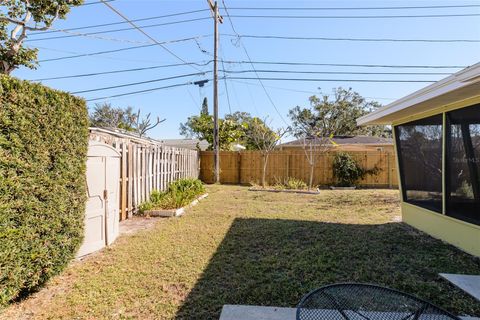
241,312
468,283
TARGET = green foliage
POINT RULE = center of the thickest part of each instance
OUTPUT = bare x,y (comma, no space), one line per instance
326,117
178,194
14,15
43,147
250,128
297,184
290,183
204,106
201,127
347,171
234,128
105,115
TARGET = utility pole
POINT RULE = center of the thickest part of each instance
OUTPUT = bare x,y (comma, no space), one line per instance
216,142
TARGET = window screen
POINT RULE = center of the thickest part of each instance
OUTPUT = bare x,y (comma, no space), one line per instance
463,164
419,146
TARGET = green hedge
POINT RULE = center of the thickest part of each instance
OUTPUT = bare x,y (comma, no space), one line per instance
43,148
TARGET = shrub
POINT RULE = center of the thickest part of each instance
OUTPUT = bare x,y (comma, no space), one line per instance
178,194
294,183
43,148
347,171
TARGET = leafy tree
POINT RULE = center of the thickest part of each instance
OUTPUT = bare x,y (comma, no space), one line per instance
201,127
104,115
19,16
234,128
344,109
205,106
246,123
326,118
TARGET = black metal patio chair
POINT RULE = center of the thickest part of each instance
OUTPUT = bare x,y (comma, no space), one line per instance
355,301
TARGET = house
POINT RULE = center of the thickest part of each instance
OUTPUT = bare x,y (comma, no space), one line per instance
112,136
348,143
437,141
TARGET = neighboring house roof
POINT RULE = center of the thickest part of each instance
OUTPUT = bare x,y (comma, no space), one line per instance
343,140
462,85
120,133
186,143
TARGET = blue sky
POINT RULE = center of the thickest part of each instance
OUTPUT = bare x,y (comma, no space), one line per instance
176,104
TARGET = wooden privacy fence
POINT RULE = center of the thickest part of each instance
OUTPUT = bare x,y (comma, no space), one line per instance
146,166
246,167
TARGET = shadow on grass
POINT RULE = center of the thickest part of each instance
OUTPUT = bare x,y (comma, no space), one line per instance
275,262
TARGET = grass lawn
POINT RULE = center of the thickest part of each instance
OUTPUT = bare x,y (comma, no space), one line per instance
242,247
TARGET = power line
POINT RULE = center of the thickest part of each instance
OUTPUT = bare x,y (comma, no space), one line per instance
300,91
141,82
330,80
350,39
80,55
245,78
140,91
347,65
96,53
225,81
95,2
253,66
203,64
226,72
81,75
121,22
357,8
359,17
118,30
145,34
337,72
255,78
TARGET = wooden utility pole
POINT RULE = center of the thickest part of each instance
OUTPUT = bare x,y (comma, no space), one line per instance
216,141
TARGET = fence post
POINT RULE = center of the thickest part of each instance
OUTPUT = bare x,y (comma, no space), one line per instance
123,177
130,182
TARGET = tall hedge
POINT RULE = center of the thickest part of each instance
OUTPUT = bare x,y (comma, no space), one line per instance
43,148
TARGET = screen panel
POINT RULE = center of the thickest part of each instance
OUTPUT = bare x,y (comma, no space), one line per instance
463,164
419,147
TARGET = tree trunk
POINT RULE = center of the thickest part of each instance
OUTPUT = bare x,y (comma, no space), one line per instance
264,172
310,182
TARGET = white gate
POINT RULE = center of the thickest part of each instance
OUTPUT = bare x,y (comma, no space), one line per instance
102,208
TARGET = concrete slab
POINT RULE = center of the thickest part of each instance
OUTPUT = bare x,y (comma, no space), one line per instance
242,312
238,312
468,283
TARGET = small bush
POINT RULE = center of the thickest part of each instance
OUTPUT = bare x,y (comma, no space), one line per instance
348,172
43,148
178,194
297,184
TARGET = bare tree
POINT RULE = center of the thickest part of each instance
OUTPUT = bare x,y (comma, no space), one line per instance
314,147
265,140
145,124
316,126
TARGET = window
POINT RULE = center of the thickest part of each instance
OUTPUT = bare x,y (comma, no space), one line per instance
463,164
419,146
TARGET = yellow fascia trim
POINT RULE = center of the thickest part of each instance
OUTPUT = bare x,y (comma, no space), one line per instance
441,109
461,234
